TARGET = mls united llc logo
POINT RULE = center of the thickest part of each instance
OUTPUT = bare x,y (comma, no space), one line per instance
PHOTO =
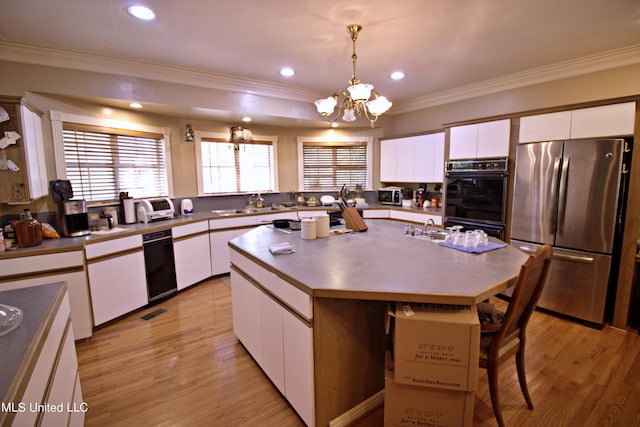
43,407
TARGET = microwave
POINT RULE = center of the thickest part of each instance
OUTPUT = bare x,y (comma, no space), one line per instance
390,196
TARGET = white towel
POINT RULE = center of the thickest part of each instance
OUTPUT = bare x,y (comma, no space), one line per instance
281,248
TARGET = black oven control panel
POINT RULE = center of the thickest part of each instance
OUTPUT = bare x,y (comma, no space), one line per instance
493,165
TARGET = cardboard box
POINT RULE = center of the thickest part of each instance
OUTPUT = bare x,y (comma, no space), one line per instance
416,406
436,345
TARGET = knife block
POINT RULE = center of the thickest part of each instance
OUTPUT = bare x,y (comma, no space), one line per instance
353,220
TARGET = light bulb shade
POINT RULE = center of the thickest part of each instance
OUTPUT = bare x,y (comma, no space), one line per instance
325,106
378,105
239,134
349,115
360,92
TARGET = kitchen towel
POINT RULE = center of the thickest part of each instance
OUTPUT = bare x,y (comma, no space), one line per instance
281,248
480,249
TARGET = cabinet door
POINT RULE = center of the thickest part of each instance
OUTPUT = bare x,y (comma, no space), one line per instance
118,286
388,156
422,158
272,341
298,362
606,120
493,139
34,153
463,142
193,260
433,168
545,127
220,249
405,155
238,306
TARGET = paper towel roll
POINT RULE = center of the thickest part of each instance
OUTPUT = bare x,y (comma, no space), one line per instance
308,228
322,225
129,214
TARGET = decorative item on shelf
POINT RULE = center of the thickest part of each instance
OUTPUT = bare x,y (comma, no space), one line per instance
240,135
356,102
189,136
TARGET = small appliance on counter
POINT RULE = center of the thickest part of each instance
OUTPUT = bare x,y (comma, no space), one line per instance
390,196
155,209
73,216
186,207
127,208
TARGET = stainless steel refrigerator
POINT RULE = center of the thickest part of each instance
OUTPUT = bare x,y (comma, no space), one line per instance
569,194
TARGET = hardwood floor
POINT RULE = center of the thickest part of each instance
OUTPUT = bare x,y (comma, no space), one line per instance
185,367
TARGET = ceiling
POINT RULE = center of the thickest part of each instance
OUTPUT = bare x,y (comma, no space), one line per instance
445,48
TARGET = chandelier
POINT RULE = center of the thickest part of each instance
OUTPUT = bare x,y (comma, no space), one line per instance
356,102
239,135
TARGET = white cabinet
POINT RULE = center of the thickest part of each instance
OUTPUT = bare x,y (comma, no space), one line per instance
117,277
418,217
53,268
298,369
417,158
592,122
481,140
219,247
191,253
30,181
273,360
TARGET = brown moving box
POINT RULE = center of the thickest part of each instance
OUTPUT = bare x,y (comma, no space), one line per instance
436,345
417,406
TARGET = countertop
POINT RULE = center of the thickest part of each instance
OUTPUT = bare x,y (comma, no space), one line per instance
66,244
383,264
18,347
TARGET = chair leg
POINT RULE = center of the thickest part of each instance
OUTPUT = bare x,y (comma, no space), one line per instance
522,377
492,373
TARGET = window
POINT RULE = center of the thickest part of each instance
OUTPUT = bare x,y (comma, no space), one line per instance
236,168
101,162
328,165
102,157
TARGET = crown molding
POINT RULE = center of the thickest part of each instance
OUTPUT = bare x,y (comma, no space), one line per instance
61,58
588,64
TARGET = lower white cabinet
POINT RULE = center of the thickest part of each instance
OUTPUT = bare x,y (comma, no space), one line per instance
192,260
118,285
280,342
218,241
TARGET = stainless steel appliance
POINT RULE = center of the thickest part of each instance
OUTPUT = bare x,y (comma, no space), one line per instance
73,216
476,194
390,196
570,194
159,265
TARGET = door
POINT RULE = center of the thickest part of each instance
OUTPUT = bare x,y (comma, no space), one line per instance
535,194
588,196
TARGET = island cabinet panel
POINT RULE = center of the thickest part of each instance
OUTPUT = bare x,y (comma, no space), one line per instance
192,259
298,370
272,335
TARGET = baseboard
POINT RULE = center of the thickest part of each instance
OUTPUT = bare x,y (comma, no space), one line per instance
359,411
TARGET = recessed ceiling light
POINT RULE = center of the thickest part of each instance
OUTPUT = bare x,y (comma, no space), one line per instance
397,75
142,12
287,72
246,119
135,105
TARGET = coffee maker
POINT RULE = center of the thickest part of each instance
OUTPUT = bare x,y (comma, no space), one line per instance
73,217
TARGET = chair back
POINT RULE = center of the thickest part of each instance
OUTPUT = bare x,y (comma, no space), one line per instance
526,293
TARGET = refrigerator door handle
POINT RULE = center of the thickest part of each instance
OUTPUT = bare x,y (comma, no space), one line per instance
562,202
554,195
560,256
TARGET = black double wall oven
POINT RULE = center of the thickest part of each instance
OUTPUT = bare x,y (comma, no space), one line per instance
476,194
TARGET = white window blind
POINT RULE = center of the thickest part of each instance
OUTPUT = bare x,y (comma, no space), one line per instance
233,168
329,165
101,162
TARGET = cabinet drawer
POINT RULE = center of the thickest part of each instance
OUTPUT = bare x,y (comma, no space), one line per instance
113,246
188,229
34,264
293,297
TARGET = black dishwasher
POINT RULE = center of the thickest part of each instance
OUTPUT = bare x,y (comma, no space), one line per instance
159,265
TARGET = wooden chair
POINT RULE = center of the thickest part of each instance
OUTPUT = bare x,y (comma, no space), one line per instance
500,341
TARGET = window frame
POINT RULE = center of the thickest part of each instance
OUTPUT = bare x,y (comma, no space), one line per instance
200,135
58,118
332,140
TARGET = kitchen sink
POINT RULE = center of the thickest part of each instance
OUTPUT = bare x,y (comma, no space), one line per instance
248,209
432,235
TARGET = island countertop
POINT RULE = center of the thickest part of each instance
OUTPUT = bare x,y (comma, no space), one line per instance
382,264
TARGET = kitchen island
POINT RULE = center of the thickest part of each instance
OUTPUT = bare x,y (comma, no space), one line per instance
314,319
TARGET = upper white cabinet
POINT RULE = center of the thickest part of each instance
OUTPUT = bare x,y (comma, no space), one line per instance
481,140
27,154
412,159
594,122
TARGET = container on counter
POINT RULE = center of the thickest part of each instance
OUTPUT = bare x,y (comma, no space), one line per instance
28,230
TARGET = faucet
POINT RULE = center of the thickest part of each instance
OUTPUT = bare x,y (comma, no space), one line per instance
255,201
427,223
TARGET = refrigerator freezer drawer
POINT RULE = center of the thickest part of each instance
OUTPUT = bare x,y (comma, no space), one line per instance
577,283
